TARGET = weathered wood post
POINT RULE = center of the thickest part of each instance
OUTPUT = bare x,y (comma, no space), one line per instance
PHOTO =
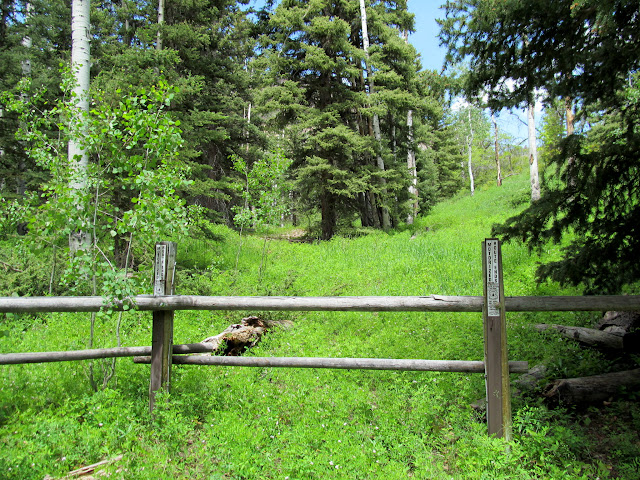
495,342
162,333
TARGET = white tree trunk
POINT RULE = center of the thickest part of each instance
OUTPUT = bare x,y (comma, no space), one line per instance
470,152
568,106
21,187
160,22
495,138
80,65
386,221
413,170
411,157
533,154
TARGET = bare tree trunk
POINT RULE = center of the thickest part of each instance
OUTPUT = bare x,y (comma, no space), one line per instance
21,186
470,151
568,106
386,221
413,170
495,138
160,22
411,157
80,67
533,153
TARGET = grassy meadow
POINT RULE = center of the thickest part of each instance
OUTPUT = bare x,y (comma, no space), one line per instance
264,423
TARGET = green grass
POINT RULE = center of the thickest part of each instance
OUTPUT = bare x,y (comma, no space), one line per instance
235,423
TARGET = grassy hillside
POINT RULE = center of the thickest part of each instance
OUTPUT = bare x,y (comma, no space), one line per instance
234,423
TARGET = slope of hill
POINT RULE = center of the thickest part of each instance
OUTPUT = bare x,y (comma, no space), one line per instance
268,423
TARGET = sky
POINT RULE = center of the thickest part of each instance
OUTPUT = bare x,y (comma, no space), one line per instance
425,40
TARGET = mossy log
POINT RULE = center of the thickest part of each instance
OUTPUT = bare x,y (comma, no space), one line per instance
593,390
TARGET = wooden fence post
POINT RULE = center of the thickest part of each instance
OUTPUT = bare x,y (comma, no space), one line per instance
495,342
162,333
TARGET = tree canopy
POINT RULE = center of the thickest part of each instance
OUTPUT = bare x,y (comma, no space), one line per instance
586,51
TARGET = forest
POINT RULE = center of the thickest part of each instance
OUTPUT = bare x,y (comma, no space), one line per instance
299,148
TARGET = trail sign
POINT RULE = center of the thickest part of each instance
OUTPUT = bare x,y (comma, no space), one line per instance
495,346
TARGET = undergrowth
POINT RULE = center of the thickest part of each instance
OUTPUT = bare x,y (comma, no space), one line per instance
267,423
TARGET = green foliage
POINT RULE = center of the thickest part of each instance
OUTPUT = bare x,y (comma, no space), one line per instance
276,423
551,134
127,198
264,191
596,199
325,93
580,52
587,54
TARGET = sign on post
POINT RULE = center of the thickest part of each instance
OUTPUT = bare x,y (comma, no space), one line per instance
495,342
162,333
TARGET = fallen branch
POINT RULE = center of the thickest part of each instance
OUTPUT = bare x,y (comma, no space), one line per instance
10,267
86,470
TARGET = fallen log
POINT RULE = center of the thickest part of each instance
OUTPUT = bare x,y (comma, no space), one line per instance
530,381
627,342
592,390
237,338
619,322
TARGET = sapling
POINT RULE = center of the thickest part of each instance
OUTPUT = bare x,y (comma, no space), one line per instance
130,200
263,190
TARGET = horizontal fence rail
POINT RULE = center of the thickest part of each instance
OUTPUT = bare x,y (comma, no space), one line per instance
90,354
431,303
462,366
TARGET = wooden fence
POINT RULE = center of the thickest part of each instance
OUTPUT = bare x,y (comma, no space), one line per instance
163,353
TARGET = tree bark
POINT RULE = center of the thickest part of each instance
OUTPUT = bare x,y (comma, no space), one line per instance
587,336
413,170
469,152
160,23
533,153
235,339
495,138
568,106
594,389
80,68
328,212
627,342
386,220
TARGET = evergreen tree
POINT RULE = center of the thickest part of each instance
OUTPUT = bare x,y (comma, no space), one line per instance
47,27
586,51
206,48
318,92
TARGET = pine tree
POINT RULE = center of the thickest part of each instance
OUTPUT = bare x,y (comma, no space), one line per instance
340,130
585,51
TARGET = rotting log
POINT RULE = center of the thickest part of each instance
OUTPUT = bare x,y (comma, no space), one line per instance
592,390
627,342
431,303
531,379
74,355
619,321
462,366
237,338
